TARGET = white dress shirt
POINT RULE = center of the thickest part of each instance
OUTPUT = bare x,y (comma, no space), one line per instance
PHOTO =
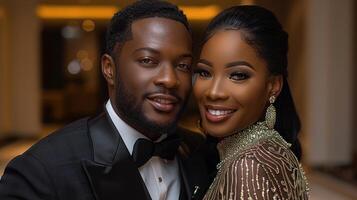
160,176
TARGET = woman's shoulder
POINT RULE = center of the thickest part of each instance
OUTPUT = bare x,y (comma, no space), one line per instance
272,165
265,169
266,152
273,158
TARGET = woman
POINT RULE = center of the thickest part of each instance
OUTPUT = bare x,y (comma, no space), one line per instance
245,101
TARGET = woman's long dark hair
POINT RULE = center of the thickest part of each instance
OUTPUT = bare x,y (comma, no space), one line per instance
261,30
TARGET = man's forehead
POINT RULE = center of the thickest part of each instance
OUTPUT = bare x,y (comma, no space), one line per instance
159,33
158,27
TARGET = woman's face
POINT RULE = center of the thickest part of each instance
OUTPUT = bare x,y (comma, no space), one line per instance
233,84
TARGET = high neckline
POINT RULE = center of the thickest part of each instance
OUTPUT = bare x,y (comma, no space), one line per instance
233,145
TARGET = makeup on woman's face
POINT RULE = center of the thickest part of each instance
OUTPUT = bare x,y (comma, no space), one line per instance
232,84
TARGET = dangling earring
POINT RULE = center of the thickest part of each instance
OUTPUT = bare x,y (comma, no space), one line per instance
270,115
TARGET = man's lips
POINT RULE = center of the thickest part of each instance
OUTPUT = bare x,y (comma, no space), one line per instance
163,102
218,113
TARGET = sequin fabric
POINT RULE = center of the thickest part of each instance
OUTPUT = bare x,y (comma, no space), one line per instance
257,163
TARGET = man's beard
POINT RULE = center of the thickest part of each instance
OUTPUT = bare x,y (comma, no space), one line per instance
133,114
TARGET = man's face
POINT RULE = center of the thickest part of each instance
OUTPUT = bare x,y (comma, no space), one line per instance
153,77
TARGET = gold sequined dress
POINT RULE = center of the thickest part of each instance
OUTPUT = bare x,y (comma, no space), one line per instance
257,164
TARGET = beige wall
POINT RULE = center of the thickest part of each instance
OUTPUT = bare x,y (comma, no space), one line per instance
329,81
20,70
5,122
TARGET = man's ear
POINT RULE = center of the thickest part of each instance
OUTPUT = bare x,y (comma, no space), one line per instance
275,85
108,69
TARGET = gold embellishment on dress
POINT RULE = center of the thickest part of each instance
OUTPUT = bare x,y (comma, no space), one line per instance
257,163
248,137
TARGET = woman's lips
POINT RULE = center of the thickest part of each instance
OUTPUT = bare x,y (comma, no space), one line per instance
163,102
218,113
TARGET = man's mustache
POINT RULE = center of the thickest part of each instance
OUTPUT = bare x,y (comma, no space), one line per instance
166,92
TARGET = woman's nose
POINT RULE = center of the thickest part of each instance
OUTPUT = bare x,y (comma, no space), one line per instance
216,90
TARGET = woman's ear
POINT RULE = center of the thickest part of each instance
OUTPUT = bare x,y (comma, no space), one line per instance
275,85
108,69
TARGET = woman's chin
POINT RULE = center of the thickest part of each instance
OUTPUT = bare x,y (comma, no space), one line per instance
220,129
218,133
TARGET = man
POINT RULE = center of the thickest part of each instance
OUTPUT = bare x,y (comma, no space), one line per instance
132,151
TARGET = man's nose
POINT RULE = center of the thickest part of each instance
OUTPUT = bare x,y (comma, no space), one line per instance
167,77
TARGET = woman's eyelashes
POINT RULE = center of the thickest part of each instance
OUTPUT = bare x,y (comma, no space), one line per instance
202,73
239,76
234,76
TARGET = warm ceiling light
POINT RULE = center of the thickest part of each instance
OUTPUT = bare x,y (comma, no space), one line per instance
106,12
75,12
201,12
88,25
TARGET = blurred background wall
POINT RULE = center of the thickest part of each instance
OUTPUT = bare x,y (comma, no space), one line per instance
20,68
49,69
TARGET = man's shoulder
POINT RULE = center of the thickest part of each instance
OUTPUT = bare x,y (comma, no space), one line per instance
69,141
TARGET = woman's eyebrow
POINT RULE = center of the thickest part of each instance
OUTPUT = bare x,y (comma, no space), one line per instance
206,62
239,62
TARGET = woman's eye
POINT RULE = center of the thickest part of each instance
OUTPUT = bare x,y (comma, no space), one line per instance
202,73
184,66
238,76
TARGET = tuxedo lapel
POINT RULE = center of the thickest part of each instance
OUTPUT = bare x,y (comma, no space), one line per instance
112,174
192,179
185,193
194,174
120,181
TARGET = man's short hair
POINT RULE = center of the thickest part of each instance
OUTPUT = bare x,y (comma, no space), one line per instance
119,29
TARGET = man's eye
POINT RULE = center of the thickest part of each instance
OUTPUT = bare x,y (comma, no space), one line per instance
146,61
184,66
238,76
202,73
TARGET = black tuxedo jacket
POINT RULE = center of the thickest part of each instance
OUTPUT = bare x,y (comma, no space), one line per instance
88,160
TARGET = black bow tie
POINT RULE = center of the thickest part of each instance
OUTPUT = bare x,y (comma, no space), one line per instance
144,149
